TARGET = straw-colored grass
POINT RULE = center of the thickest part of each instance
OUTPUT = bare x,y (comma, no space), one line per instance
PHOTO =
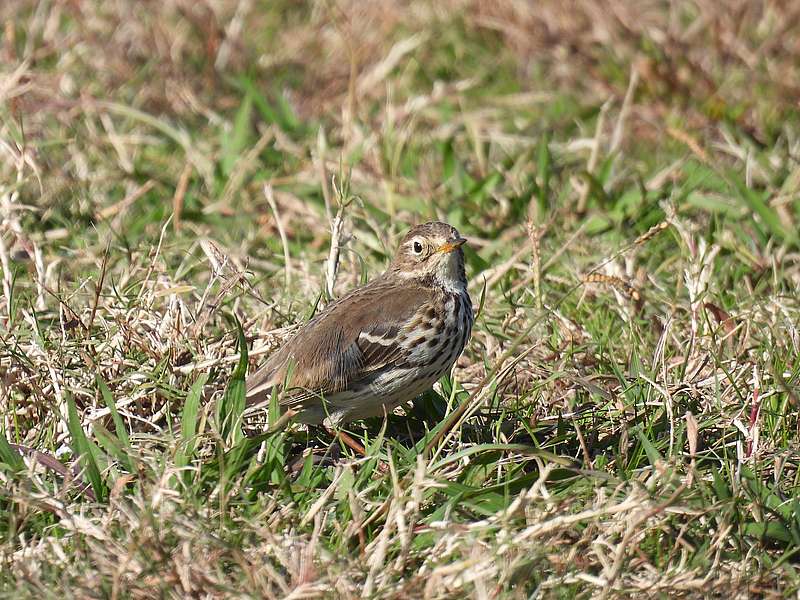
179,180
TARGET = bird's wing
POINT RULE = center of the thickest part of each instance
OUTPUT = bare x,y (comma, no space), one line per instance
352,338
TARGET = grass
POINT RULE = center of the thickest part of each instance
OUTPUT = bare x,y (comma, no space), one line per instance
628,179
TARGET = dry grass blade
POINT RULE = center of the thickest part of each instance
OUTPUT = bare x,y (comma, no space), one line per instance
287,259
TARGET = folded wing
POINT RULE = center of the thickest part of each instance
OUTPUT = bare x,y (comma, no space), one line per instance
352,339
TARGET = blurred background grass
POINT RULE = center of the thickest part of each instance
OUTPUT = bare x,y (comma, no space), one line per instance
627,175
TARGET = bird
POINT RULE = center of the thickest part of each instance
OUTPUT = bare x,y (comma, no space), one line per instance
381,344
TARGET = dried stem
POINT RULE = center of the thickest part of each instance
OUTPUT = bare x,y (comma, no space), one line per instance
287,260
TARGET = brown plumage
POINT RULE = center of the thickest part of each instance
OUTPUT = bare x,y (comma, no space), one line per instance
381,344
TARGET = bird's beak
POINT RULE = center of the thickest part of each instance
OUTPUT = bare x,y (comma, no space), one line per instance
450,246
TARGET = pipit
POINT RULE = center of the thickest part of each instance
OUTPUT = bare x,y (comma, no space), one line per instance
380,345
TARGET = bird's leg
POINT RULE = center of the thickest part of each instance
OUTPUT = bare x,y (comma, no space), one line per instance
347,440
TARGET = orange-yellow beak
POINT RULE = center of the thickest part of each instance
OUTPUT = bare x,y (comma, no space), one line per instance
450,246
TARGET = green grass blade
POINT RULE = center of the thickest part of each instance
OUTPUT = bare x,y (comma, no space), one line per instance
191,407
231,407
113,446
755,202
83,450
9,456
238,139
653,455
279,112
119,424
518,448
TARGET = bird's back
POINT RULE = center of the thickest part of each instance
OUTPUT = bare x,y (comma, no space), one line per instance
352,339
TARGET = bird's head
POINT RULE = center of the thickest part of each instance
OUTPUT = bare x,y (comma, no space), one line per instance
432,251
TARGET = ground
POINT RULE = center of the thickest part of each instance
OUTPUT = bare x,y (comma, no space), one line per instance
175,179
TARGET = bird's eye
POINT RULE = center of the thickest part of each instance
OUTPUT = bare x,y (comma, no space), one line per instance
417,247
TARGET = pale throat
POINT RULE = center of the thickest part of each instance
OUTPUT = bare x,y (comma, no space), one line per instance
448,274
